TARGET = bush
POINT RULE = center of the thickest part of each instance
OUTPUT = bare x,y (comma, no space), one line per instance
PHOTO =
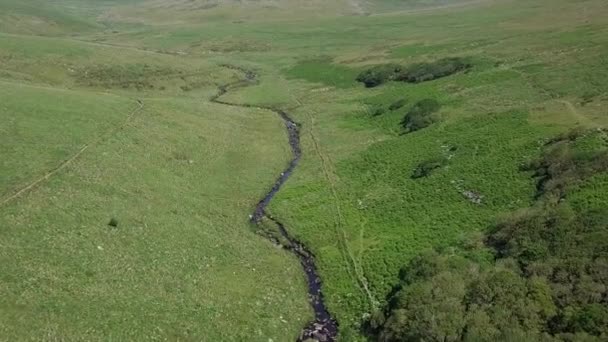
567,160
421,115
427,167
378,75
376,110
571,135
430,71
416,73
397,104
113,222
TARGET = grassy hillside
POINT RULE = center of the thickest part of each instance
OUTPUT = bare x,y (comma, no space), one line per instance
181,263
41,17
388,6
181,175
96,134
30,130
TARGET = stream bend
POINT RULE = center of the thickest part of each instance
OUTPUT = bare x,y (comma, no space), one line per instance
324,328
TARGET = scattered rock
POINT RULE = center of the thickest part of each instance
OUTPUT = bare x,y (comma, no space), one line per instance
472,196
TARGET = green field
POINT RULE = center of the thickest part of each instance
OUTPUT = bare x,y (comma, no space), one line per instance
106,116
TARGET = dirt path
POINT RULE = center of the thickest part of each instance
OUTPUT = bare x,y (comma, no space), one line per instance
70,160
582,118
91,43
324,328
327,166
575,113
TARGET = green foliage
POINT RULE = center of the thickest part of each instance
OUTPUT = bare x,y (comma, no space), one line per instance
45,112
559,291
397,104
138,76
83,278
425,168
569,159
113,222
430,71
406,215
416,73
378,75
365,194
548,281
421,115
323,71
567,249
450,298
377,110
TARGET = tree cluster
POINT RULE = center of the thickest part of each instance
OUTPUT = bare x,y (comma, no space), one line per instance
422,72
378,75
540,274
421,115
566,162
415,73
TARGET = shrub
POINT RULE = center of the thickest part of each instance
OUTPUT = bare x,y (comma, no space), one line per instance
378,75
567,160
377,110
570,135
588,97
427,167
397,104
420,115
422,72
113,222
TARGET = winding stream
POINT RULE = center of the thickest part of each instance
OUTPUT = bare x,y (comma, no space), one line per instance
324,328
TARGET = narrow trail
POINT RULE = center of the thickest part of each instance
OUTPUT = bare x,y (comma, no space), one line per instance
91,43
575,113
324,328
65,163
359,273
